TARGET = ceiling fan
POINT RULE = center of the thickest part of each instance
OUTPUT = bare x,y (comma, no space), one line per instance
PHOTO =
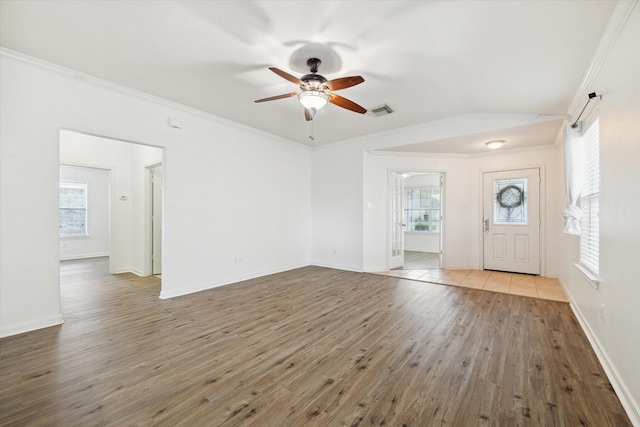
317,90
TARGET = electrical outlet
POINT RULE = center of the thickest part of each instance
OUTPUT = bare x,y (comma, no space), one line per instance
602,312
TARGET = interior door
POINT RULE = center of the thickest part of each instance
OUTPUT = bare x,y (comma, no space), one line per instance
511,221
396,225
156,220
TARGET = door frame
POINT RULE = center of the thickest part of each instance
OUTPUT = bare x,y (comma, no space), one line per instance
443,210
148,222
390,190
543,212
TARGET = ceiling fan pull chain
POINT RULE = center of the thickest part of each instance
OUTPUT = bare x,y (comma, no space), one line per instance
311,137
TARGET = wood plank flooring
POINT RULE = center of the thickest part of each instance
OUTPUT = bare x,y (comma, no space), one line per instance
309,347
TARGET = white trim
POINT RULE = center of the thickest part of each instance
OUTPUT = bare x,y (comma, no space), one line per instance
32,325
631,407
588,275
492,121
98,255
339,267
616,23
224,282
148,210
105,84
494,153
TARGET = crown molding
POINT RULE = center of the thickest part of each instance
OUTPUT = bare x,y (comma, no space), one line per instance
616,24
114,87
493,153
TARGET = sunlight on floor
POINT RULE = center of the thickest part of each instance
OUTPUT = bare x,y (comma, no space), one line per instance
494,281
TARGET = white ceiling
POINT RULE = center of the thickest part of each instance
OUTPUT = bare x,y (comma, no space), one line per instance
428,60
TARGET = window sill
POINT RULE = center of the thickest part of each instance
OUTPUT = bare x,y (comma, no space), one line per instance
422,232
76,236
591,278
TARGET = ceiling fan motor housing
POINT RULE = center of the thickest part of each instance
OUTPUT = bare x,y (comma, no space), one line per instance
313,80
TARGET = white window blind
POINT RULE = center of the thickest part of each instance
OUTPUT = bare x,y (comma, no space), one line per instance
73,209
590,200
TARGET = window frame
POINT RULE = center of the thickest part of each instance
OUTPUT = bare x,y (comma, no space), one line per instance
406,210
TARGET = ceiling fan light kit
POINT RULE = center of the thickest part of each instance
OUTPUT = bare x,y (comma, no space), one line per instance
316,90
313,99
494,145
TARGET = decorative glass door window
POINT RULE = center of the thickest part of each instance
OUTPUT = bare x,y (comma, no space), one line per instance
73,209
510,204
396,218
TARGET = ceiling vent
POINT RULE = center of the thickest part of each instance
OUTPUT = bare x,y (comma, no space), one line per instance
382,110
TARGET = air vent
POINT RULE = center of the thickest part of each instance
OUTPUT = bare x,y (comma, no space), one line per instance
382,110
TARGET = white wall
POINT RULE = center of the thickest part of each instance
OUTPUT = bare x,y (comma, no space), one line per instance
96,242
346,179
215,172
336,207
462,244
615,338
421,241
128,165
458,206
551,194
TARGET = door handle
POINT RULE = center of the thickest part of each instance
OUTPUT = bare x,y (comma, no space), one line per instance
485,224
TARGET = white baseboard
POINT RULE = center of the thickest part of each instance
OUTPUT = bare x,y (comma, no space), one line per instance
629,405
137,272
339,267
164,294
21,328
68,258
128,270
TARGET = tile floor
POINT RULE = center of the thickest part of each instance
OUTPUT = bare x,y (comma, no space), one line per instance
495,281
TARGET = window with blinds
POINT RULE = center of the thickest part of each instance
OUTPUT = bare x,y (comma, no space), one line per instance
590,200
73,209
422,209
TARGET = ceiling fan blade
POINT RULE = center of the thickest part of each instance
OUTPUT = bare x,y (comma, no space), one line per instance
344,82
286,76
345,103
273,98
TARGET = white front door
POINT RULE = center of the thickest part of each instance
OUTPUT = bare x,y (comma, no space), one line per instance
396,225
511,221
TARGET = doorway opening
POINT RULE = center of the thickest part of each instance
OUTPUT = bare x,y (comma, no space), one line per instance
128,207
416,218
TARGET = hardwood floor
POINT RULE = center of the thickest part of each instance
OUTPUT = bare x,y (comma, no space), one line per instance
309,347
